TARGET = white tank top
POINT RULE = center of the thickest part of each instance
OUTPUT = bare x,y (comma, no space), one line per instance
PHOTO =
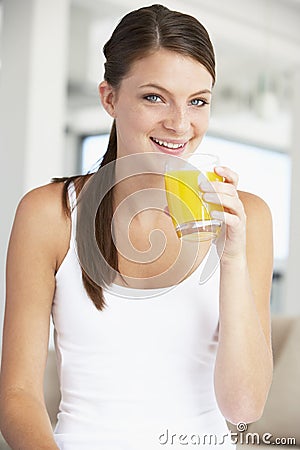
139,374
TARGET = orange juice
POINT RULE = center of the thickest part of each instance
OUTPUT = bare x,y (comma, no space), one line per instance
185,199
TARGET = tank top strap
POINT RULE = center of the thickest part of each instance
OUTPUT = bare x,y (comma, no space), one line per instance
73,209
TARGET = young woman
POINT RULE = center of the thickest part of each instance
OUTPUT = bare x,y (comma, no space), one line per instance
147,356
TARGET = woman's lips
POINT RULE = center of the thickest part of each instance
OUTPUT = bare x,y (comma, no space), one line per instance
169,146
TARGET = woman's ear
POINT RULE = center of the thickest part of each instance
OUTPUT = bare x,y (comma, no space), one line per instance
107,97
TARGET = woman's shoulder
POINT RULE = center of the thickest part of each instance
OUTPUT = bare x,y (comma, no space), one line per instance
42,219
51,200
43,201
258,213
253,203
44,214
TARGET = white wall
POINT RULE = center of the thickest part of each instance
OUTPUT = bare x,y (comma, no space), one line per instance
291,293
32,105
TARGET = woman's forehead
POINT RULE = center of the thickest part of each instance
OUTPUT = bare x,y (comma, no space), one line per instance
168,68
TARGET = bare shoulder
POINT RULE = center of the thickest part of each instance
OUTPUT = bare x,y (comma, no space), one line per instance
253,203
40,216
257,211
45,199
259,224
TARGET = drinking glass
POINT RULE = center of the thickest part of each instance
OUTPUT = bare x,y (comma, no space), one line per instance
190,214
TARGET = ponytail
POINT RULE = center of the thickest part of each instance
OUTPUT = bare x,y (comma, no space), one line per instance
103,233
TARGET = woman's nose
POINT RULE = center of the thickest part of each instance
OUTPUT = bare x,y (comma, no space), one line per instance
177,120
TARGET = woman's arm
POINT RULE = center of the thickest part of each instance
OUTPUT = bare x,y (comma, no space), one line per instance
243,370
31,263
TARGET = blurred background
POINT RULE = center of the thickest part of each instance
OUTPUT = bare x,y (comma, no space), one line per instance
52,123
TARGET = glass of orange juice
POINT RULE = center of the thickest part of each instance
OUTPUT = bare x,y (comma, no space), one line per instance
189,212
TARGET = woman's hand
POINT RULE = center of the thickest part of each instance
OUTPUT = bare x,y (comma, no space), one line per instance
231,242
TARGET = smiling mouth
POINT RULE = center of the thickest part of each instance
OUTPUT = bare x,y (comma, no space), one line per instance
169,145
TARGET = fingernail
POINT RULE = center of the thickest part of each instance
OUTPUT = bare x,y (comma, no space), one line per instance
209,197
205,186
217,214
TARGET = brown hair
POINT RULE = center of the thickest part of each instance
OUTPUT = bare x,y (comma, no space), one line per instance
138,34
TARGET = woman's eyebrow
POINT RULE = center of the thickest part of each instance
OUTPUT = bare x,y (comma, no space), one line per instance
157,86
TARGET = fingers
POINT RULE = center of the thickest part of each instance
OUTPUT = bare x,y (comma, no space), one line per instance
230,176
227,186
231,202
231,220
226,195
218,186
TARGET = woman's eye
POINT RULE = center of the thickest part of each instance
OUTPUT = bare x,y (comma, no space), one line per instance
198,102
153,98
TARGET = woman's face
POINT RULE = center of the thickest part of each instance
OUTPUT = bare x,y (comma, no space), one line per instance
162,105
